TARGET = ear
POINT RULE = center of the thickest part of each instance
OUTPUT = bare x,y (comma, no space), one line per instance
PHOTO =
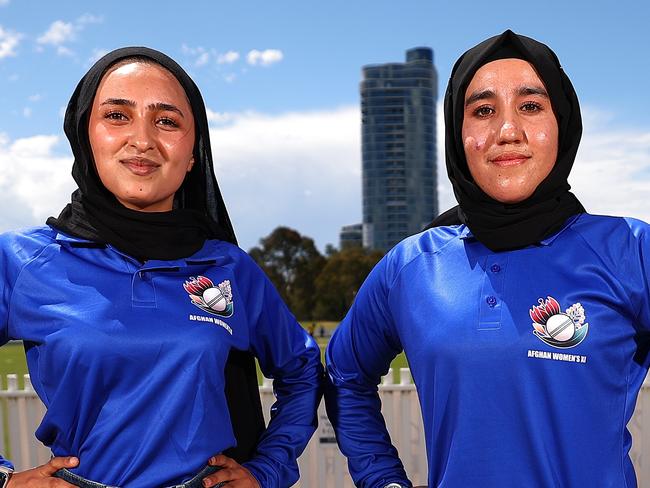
190,165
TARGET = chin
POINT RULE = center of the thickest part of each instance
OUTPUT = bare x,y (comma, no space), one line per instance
509,196
140,204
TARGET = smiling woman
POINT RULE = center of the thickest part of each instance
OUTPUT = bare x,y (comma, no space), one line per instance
141,391
143,145
524,319
510,132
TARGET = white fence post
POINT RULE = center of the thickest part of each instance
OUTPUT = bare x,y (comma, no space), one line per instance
321,465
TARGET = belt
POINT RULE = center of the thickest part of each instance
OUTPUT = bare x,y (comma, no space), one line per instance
81,482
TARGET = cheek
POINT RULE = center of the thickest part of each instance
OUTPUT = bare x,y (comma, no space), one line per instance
476,139
475,148
545,145
474,145
177,140
103,139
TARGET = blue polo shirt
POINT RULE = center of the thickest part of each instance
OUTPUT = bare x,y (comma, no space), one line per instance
129,358
527,363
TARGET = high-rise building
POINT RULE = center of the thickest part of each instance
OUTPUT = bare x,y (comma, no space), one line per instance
398,109
351,236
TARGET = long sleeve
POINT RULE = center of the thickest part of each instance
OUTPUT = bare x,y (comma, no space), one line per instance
13,255
291,357
358,354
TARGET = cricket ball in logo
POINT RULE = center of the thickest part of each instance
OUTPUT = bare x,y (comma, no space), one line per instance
216,300
557,328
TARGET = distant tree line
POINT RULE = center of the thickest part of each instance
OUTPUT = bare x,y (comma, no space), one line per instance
313,285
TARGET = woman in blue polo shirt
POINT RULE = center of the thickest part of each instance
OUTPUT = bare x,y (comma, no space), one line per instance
524,319
132,300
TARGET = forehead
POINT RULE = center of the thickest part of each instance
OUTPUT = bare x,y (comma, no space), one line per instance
504,74
136,79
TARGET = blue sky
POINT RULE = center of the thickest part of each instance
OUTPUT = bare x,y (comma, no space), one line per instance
281,82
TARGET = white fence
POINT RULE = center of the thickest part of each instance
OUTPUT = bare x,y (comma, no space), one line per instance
321,465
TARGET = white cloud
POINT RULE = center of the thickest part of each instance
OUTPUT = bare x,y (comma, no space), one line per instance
303,170
36,97
446,198
201,56
59,33
27,112
34,182
611,174
188,49
218,117
228,58
264,58
202,59
4,2
298,169
8,42
64,51
230,77
87,18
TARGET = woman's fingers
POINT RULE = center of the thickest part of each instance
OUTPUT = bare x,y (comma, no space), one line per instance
57,463
232,472
41,476
223,461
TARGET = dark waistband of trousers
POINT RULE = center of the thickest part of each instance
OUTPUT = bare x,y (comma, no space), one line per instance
81,482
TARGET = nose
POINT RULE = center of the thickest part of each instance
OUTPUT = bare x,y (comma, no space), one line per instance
142,136
511,130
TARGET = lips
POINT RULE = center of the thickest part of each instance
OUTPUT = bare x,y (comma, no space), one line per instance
140,166
510,158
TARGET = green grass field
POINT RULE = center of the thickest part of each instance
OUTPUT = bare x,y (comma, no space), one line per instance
12,360
12,356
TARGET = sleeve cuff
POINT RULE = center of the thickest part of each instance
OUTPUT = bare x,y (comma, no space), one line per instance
263,472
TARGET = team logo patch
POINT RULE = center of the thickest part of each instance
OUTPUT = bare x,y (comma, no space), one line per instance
216,300
557,328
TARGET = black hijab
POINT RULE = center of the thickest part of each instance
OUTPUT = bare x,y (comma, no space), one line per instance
497,225
199,213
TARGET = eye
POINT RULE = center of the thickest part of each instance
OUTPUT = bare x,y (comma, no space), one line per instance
483,111
531,107
115,115
167,122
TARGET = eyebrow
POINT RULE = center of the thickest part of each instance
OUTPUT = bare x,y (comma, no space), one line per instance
161,106
479,95
522,92
533,90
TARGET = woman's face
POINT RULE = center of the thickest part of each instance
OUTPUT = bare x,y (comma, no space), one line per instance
141,130
510,132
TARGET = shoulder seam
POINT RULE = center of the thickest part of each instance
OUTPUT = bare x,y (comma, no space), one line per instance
418,255
27,263
612,269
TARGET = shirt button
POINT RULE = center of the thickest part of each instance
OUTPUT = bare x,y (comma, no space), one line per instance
491,301
495,268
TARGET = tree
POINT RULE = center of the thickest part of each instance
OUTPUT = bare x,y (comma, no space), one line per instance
292,262
342,276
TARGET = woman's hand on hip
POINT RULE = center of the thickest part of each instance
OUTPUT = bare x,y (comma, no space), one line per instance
42,476
232,473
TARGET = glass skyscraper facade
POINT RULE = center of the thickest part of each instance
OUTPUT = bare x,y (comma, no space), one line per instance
398,110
